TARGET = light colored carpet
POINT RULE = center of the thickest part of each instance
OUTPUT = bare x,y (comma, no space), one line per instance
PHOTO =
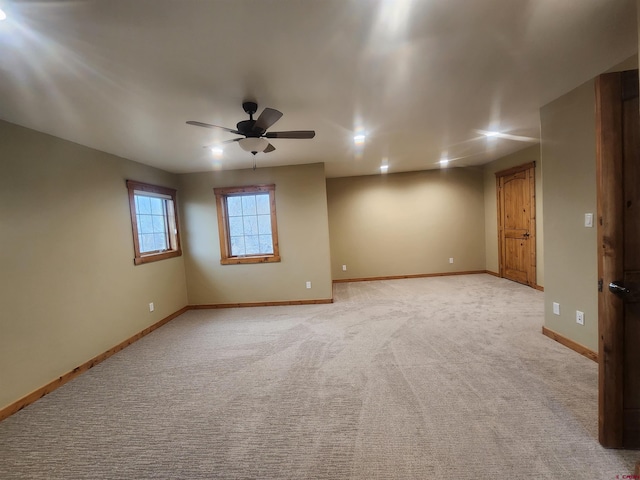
434,378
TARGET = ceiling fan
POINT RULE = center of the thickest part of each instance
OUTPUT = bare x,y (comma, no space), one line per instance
254,132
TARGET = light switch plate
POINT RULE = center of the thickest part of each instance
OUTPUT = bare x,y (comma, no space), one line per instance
588,219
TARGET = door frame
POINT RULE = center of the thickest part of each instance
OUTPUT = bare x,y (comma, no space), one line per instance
532,219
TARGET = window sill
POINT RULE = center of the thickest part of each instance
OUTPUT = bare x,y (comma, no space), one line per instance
154,257
244,260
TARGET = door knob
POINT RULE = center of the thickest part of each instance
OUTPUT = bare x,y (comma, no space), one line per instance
525,235
618,289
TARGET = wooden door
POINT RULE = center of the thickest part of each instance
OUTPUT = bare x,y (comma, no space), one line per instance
618,167
517,223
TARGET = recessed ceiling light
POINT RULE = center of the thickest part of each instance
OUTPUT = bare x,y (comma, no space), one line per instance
384,168
2,14
359,139
444,162
491,134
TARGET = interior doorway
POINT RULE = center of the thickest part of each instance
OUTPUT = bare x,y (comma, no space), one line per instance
618,177
516,190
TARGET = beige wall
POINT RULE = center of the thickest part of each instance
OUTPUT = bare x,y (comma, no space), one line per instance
301,209
521,157
569,191
406,223
568,155
68,287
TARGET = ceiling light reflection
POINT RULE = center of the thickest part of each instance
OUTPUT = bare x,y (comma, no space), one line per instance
507,136
217,152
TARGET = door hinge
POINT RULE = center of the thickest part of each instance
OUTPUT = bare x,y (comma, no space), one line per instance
600,285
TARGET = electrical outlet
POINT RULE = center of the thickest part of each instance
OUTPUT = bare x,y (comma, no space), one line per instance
556,308
344,268
451,260
308,284
579,317
151,307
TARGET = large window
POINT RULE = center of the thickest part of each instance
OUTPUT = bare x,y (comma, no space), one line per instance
154,221
247,224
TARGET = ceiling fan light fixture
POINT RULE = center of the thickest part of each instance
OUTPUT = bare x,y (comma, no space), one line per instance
253,144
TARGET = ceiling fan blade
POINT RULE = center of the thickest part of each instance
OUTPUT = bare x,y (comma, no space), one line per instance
222,143
207,125
292,134
268,117
270,148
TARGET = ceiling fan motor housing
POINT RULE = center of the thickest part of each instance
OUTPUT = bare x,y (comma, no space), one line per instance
250,107
245,127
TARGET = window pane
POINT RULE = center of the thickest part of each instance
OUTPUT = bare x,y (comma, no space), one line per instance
237,246
235,226
266,244
146,243
144,205
262,204
248,204
264,224
252,244
234,206
157,207
159,225
152,228
160,241
250,225
145,224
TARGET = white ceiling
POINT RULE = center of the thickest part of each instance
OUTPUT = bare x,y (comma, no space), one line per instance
421,77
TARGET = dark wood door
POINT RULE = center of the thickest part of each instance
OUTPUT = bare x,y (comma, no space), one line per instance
516,224
618,157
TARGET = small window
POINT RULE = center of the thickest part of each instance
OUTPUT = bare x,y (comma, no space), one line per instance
155,222
247,224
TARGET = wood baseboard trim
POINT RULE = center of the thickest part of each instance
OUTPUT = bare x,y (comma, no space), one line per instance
400,277
492,273
260,304
575,346
58,382
539,287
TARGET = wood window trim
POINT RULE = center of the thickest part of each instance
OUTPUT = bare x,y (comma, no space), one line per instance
223,225
174,238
